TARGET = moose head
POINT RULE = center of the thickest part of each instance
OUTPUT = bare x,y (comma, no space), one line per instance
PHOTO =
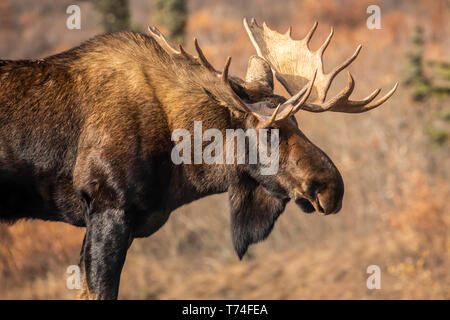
305,174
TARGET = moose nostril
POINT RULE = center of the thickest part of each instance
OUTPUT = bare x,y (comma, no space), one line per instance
315,188
319,206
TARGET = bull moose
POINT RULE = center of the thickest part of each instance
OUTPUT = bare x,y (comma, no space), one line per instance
85,138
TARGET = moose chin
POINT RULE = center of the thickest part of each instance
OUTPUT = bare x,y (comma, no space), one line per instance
85,138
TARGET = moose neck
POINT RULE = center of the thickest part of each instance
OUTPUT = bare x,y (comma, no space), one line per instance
198,178
181,107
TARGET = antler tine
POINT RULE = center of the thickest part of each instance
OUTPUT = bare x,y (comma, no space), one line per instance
326,43
272,118
367,99
225,70
383,99
202,57
184,53
294,100
155,31
350,85
341,103
288,106
346,63
344,94
157,35
289,31
243,106
358,107
308,37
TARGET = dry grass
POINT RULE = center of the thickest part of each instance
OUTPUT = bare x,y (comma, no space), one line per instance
396,212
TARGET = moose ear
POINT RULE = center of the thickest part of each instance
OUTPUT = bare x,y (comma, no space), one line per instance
253,213
259,70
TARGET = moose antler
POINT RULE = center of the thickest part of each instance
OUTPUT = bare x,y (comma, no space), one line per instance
295,64
217,83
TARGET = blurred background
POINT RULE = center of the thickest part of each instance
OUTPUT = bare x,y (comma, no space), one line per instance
394,160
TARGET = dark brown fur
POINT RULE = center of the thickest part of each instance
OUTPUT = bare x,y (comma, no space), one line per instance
85,138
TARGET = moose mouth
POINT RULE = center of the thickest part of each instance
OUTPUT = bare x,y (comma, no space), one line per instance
307,206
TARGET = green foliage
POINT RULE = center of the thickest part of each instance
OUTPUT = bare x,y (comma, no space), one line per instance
173,15
437,136
421,89
114,14
422,86
441,69
445,115
437,127
431,84
415,76
441,93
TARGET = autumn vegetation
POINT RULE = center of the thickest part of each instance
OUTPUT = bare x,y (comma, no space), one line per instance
394,162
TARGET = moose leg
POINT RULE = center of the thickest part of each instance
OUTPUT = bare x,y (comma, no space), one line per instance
103,254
